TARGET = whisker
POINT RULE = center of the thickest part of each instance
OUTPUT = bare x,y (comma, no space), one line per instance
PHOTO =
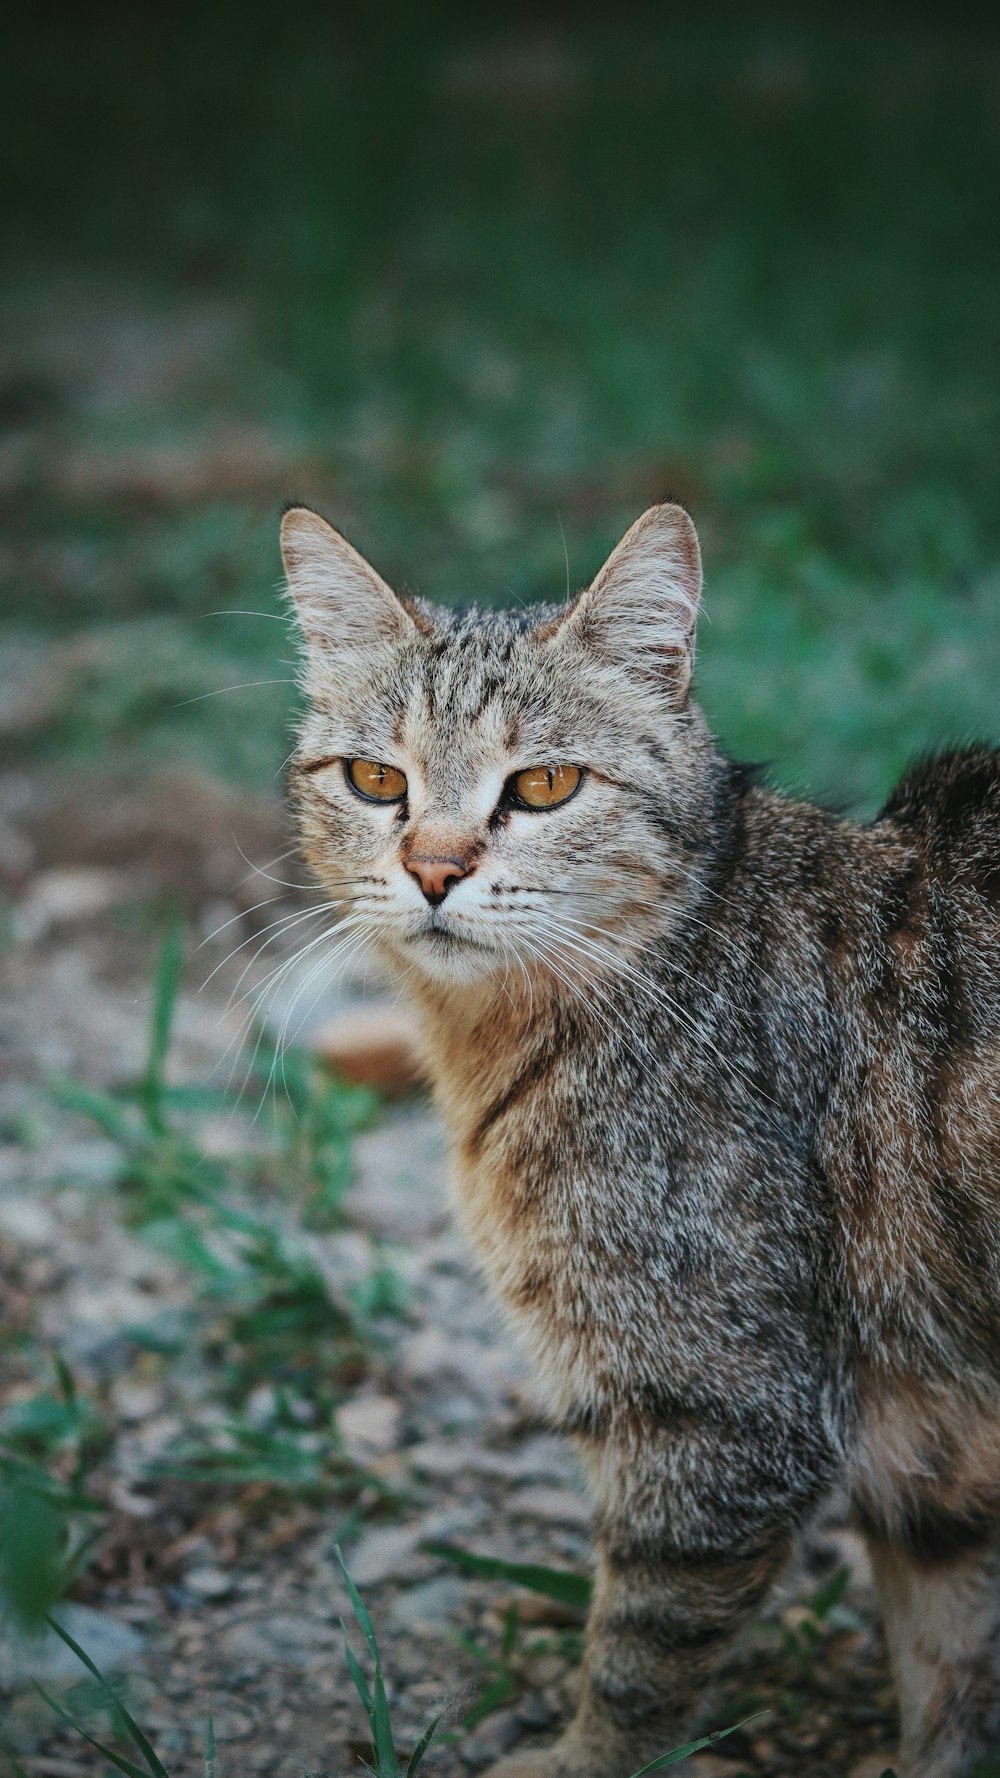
259,871
274,928
264,991
659,995
266,902
543,950
677,968
344,926
282,1042
275,617
247,685
613,1012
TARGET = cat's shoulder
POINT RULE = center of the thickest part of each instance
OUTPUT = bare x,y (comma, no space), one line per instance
951,801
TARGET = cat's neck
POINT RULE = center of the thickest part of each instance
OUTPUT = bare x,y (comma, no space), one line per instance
477,1037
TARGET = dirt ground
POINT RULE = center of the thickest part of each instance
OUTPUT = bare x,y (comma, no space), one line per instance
229,1597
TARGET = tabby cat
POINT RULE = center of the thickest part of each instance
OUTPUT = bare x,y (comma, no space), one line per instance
721,1073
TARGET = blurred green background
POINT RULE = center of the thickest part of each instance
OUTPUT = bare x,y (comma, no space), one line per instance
480,285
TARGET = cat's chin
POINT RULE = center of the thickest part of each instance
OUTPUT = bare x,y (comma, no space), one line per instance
446,959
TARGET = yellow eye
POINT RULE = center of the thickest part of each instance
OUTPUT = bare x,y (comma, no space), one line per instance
542,787
380,783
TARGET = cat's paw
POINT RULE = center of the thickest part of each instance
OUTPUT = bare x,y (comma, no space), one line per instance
559,1761
541,1763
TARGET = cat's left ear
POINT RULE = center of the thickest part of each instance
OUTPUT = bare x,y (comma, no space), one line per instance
642,608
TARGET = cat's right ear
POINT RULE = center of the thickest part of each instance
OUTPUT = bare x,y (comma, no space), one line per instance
339,600
642,609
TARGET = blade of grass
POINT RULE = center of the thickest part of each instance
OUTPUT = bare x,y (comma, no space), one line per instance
415,1760
210,1747
123,1765
552,1583
149,1754
359,1606
385,1746
679,1753
378,1711
166,984
360,1682
107,1113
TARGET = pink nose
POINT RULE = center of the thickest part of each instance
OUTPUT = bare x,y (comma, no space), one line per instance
436,875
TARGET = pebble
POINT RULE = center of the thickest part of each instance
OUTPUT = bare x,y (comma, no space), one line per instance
535,1712
541,1459
386,1553
111,1645
231,1725
27,1222
137,1401
494,1737
374,1046
60,896
431,1606
298,1642
556,1504
206,1582
851,1552
872,1766
370,1426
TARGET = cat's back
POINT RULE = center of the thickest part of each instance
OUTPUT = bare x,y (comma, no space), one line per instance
948,810
950,806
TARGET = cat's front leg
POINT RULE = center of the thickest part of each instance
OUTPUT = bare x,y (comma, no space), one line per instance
679,1574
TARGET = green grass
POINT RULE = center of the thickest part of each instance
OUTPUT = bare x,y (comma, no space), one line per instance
387,1762
476,289
260,1311
50,1442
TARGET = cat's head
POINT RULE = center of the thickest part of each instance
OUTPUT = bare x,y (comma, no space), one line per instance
495,790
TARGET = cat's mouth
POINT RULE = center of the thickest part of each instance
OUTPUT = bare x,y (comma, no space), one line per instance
447,936
443,935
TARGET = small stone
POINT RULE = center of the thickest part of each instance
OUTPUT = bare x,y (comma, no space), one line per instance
441,1459
373,1046
452,1521
385,1553
535,1711
206,1582
136,1401
61,897
872,1765
369,1426
232,1725
851,1552
557,1505
28,1222
432,1606
111,1645
298,1642
261,1404
535,1608
494,1737
546,1670
537,1459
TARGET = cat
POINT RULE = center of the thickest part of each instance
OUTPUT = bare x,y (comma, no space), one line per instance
721,1073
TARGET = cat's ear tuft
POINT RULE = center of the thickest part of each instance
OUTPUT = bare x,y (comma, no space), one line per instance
339,600
642,608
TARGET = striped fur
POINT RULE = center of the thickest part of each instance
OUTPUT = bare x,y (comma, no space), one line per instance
722,1079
